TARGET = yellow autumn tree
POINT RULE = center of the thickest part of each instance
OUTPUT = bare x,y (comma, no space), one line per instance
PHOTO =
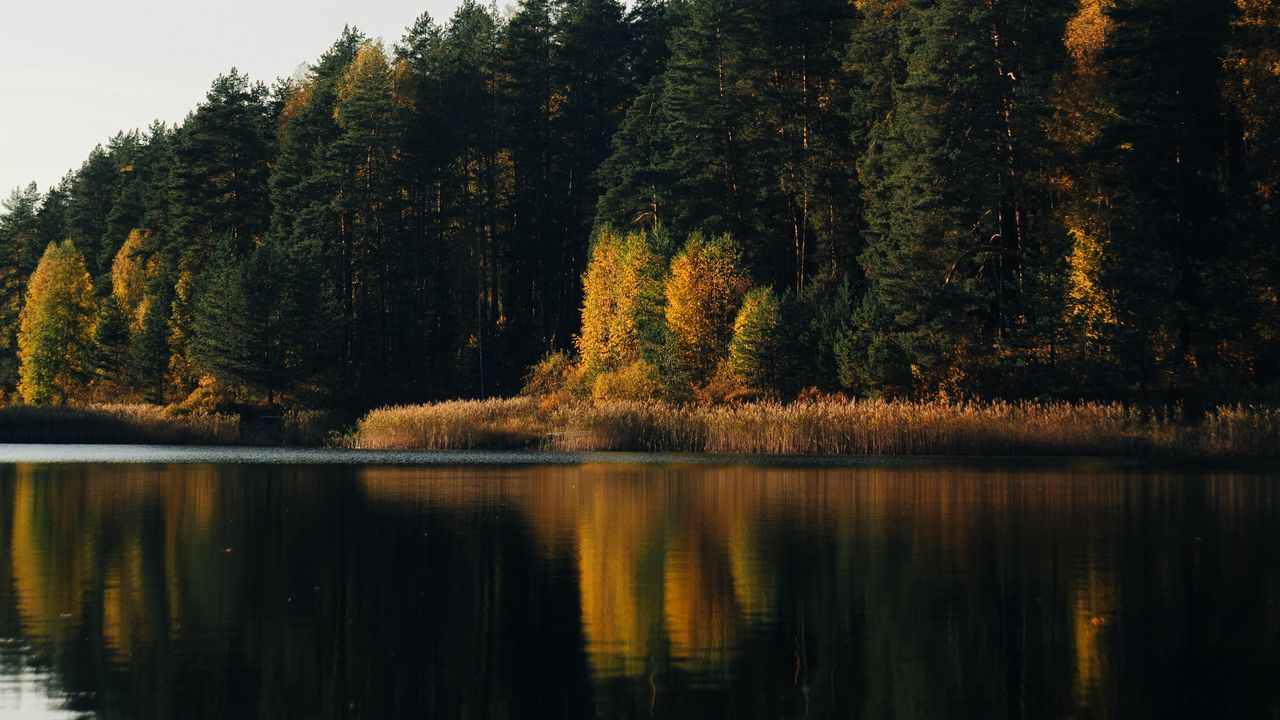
131,271
1081,112
622,301
55,336
704,292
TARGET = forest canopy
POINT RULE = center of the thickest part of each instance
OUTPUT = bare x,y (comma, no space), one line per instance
693,199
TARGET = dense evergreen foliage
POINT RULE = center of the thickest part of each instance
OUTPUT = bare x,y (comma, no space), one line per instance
1062,198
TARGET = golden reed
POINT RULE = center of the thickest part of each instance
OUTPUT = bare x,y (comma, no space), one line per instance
824,427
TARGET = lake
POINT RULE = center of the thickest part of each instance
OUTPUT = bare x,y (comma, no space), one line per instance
151,582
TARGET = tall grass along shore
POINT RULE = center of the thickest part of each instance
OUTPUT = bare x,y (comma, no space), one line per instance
824,427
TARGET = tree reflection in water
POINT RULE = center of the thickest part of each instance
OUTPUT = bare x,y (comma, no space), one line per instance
925,591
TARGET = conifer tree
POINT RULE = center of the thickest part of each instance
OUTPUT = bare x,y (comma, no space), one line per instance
111,345
149,350
367,200
1252,88
952,179
532,83
90,191
591,60
19,233
245,321
225,145
1163,61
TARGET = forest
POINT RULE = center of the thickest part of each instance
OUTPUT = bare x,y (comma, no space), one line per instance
685,199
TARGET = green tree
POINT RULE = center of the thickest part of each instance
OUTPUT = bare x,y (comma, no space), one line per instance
221,161
55,338
19,233
245,321
149,350
366,253
745,132
1253,91
953,177
90,192
1174,263
590,60
754,352
111,345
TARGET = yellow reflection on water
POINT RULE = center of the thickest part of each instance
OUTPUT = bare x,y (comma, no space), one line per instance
620,546
680,563
76,543
675,566
53,553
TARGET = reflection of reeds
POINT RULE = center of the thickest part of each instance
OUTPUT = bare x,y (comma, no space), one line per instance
116,424
870,427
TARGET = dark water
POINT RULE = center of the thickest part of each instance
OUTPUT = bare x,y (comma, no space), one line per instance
901,590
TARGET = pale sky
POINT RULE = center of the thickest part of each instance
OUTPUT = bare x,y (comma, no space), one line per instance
74,72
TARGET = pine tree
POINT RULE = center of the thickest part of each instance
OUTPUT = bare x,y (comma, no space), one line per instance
744,132
366,254
19,233
247,322
299,193
55,339
591,62
531,85
952,180
477,171
305,220
90,191
1163,61
149,350
225,146
650,25
1252,87
111,345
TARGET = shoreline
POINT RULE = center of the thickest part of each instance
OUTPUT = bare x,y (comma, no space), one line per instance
809,430
142,424
824,428
130,454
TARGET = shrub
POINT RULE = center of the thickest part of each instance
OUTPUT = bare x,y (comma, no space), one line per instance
550,376
637,381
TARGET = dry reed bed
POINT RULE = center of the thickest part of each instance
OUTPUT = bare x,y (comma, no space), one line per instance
121,423
824,428
457,425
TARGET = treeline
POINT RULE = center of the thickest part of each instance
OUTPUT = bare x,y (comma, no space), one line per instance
1061,198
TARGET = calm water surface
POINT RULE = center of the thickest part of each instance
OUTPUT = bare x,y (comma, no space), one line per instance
144,583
